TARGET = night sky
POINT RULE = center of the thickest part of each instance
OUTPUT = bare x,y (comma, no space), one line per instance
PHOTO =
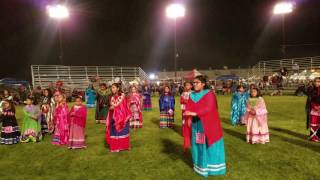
214,33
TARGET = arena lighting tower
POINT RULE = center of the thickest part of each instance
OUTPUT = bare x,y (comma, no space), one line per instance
283,8
175,11
58,12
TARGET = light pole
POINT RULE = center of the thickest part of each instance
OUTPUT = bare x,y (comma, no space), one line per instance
59,13
283,8
175,11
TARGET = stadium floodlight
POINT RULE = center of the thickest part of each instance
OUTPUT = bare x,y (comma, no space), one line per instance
58,11
283,8
175,11
152,76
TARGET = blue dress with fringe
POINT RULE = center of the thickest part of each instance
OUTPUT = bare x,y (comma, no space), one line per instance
238,107
90,97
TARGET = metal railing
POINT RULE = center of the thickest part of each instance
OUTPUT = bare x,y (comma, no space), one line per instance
266,68
79,76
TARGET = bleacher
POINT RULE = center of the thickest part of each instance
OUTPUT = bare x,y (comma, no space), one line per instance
79,76
267,68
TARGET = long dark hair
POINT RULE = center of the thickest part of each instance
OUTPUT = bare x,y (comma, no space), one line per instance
104,85
203,79
144,88
49,92
258,92
9,93
240,86
78,97
164,87
33,99
119,87
11,105
187,82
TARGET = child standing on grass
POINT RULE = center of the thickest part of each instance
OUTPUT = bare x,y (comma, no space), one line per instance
102,106
186,123
135,105
256,119
90,96
78,118
61,131
238,105
31,127
166,104
117,125
10,131
147,104
46,107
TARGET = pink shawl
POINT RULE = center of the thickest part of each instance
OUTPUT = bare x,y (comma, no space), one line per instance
120,114
260,108
80,116
135,98
62,121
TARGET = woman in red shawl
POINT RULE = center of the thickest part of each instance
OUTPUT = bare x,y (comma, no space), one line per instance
206,138
117,125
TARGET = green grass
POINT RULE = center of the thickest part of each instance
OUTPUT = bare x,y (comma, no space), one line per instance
157,153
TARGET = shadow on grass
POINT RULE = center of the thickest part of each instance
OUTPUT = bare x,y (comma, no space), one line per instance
304,144
106,145
292,133
225,120
155,121
236,134
178,129
175,151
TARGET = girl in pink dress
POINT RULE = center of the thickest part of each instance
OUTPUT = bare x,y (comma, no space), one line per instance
256,119
61,131
78,118
135,105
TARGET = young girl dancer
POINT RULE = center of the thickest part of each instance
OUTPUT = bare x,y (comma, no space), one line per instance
78,118
117,125
135,105
147,104
256,119
166,104
186,123
10,131
31,127
238,105
61,131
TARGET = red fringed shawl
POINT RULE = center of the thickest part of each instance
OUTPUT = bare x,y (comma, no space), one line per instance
135,98
120,114
207,111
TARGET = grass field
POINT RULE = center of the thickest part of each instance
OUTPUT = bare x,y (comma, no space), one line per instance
157,153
